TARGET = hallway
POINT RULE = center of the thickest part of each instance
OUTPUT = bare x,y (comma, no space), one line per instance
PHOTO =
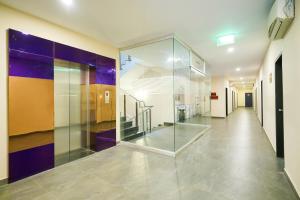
232,161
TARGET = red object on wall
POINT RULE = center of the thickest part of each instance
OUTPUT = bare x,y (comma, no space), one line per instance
214,96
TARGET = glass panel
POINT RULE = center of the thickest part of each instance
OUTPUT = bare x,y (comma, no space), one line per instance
191,95
147,111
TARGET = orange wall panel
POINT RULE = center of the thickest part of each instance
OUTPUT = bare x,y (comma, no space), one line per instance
31,105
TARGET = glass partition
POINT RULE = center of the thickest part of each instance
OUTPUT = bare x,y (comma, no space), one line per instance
165,95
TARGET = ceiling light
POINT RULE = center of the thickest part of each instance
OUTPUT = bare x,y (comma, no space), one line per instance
238,69
67,2
230,50
226,40
241,78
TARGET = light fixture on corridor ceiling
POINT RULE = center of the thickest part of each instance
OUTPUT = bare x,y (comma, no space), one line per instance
238,69
226,40
67,2
230,50
241,78
197,71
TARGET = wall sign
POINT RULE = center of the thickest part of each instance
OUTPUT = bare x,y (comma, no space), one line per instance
106,97
213,96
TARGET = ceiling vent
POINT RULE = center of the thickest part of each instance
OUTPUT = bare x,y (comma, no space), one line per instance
281,16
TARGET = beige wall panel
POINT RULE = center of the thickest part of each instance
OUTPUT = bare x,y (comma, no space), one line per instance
30,140
31,105
106,106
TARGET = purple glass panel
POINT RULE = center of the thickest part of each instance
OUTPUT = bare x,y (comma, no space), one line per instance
30,44
105,71
28,65
72,54
31,161
103,140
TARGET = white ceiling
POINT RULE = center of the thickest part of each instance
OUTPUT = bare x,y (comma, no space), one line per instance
197,22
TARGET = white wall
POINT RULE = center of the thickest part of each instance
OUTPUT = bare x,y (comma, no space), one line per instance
291,74
218,108
16,20
289,47
267,68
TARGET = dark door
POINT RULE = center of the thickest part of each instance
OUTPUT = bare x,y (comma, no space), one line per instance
226,100
248,100
279,108
262,102
232,101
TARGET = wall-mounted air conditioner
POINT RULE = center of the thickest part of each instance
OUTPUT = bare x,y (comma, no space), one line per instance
280,18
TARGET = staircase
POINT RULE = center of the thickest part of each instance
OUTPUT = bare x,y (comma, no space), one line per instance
129,131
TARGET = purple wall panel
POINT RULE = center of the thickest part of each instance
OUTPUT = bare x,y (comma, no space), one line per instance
105,71
33,57
31,66
72,54
104,140
30,44
31,161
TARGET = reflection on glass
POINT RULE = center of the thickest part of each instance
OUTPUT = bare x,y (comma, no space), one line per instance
165,95
71,111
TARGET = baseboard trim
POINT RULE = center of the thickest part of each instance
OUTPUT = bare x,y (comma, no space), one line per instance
291,183
147,148
3,182
193,139
166,152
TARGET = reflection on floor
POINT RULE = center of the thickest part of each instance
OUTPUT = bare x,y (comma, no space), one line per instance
234,161
69,144
163,138
73,155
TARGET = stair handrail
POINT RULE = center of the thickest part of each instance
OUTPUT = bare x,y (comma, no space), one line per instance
140,101
145,108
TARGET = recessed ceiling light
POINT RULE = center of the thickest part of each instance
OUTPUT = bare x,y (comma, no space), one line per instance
67,2
241,78
230,50
226,40
238,69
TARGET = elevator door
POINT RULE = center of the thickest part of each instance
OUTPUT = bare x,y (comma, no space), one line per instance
71,116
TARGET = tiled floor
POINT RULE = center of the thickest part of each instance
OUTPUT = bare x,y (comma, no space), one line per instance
234,161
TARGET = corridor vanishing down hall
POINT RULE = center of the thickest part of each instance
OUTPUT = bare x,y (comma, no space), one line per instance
232,161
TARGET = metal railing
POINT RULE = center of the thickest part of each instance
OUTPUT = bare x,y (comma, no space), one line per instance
137,111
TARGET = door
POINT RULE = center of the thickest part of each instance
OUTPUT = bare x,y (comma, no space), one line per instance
279,108
226,100
248,100
71,112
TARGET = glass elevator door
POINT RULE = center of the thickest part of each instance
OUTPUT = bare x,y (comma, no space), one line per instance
71,99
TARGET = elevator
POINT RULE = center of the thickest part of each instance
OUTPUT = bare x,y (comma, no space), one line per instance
71,116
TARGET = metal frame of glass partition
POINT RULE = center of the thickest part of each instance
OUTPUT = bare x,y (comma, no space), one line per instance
164,95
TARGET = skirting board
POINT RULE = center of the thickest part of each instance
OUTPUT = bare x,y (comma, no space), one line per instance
165,152
291,183
147,148
3,182
192,140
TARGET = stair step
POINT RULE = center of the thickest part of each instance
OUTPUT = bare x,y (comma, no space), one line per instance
130,131
133,136
125,125
123,119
